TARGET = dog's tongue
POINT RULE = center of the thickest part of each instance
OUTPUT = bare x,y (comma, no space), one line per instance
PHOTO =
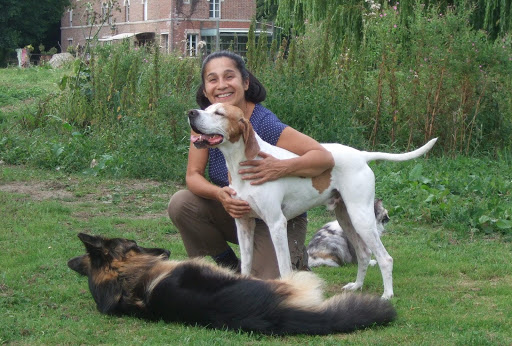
203,141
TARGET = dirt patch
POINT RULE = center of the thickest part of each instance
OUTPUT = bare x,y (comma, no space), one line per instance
133,199
38,191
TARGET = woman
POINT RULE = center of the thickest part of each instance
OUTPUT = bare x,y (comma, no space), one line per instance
204,214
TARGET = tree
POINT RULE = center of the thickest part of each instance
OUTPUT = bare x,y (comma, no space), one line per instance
493,16
27,22
266,10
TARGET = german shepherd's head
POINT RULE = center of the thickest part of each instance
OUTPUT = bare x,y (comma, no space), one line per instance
106,263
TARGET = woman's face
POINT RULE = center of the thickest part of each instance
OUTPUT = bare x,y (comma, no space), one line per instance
223,82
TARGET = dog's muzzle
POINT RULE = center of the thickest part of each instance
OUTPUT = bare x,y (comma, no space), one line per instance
203,140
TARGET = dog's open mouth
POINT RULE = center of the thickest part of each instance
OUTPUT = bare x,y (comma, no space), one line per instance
203,141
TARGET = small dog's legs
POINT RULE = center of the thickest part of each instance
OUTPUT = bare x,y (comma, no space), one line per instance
279,234
245,231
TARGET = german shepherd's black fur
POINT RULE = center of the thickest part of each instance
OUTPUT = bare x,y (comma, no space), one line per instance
125,278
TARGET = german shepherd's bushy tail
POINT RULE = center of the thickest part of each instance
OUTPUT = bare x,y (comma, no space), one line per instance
125,278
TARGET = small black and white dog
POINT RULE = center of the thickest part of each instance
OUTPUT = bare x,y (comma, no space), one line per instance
330,246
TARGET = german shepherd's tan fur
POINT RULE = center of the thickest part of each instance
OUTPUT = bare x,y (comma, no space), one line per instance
125,278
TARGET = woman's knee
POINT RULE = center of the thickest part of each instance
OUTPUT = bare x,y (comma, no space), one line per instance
179,204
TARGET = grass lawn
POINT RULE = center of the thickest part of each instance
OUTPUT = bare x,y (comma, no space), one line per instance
450,289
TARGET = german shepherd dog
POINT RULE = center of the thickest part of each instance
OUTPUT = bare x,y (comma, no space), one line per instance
125,278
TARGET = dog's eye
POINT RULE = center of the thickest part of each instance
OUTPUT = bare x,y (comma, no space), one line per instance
218,113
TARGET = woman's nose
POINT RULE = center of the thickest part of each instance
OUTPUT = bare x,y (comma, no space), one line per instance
222,83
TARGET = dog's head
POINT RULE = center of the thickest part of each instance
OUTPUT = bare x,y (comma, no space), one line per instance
221,123
381,215
103,263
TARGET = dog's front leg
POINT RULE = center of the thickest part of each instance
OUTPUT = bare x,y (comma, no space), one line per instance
245,232
279,234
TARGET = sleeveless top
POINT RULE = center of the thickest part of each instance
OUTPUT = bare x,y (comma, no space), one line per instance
265,123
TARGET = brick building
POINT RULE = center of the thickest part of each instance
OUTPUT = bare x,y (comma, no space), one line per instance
176,25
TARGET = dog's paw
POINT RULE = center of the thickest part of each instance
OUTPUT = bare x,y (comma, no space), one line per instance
387,296
352,286
372,263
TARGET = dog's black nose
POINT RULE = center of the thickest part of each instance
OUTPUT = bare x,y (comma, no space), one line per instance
193,113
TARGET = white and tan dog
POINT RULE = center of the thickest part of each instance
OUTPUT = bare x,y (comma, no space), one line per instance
350,184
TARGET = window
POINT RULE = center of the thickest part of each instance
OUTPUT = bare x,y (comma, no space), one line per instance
164,42
145,9
105,12
126,10
71,17
192,40
214,8
226,40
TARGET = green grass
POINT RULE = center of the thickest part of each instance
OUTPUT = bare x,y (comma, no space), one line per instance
26,85
450,288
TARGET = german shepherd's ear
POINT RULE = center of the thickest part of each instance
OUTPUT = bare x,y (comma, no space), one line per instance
92,243
252,148
81,264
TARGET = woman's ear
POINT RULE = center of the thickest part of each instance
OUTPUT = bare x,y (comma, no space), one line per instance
246,84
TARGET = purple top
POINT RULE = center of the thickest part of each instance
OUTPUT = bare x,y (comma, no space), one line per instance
265,124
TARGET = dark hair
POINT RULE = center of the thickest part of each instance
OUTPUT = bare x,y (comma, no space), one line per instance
255,93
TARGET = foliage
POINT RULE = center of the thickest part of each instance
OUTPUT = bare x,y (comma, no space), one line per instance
27,22
495,17
266,10
436,77
444,78
462,194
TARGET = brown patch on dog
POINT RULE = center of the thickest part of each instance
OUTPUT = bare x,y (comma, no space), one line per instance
327,256
235,116
239,126
234,132
323,181
302,290
104,275
251,144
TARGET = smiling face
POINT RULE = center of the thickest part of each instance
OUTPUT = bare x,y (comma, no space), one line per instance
223,82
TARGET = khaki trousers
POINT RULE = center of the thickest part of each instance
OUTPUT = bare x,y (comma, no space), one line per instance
206,228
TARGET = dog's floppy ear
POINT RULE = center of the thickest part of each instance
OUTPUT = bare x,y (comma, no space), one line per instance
80,264
251,144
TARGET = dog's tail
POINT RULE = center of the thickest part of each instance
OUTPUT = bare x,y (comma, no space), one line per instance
372,156
296,306
339,314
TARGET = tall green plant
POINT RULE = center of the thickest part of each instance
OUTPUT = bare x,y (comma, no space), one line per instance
251,46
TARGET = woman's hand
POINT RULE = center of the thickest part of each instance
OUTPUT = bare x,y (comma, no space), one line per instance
312,160
235,207
260,171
